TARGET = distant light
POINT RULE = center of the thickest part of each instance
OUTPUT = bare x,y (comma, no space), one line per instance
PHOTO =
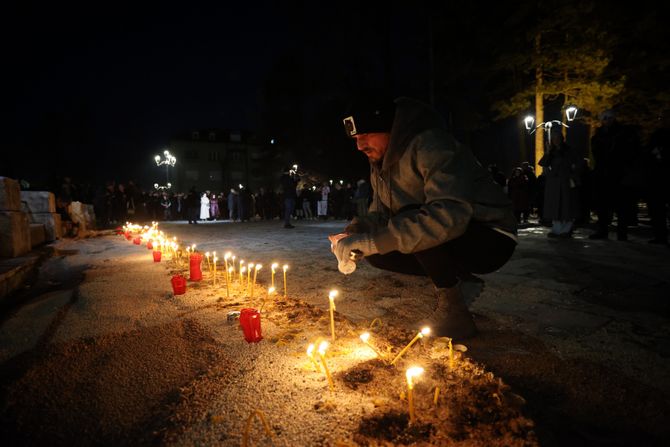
241,187
571,113
529,121
341,182
272,141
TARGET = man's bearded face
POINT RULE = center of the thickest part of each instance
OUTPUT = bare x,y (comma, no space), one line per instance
373,145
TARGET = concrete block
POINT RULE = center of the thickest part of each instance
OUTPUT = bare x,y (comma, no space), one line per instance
37,234
14,234
52,224
38,201
10,195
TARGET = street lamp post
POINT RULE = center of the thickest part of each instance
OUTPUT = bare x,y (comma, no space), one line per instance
529,121
168,160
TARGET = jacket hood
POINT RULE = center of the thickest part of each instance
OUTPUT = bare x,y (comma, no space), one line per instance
412,117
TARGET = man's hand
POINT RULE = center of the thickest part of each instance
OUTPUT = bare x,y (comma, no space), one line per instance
343,244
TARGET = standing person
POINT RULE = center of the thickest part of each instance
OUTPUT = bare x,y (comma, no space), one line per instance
560,196
204,206
307,202
289,182
233,201
517,190
192,205
214,207
658,196
166,204
435,211
613,147
322,205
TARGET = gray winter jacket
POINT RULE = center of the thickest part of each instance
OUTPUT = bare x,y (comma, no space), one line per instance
429,187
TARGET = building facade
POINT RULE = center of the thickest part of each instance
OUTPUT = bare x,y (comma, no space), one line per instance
215,160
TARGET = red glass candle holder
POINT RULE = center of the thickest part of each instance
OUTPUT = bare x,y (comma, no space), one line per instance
250,321
150,246
178,284
195,272
128,235
157,256
137,240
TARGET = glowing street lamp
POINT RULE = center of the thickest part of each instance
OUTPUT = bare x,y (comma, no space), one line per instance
162,187
571,113
168,160
529,121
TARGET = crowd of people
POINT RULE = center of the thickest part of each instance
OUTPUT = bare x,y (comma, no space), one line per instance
118,202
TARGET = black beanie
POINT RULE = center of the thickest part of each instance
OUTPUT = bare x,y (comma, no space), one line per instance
369,112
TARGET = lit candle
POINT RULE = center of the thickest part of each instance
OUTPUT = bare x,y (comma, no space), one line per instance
232,277
285,268
274,270
228,279
193,248
436,396
209,267
451,355
271,291
425,331
253,284
215,260
322,354
241,265
225,260
251,267
310,354
242,270
365,338
331,298
411,373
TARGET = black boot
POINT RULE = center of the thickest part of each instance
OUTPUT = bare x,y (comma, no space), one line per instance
452,318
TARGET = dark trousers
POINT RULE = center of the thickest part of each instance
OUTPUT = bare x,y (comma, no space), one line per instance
479,250
289,207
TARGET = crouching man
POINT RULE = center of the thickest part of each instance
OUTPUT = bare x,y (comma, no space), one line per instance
435,210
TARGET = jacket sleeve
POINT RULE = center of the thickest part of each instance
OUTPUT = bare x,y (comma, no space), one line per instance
449,173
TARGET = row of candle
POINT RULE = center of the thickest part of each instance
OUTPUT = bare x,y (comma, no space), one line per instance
162,243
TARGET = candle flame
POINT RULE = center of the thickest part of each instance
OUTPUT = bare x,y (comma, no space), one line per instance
425,331
365,336
274,266
259,266
230,269
251,265
271,290
285,267
227,256
413,372
332,294
207,254
243,269
310,349
322,347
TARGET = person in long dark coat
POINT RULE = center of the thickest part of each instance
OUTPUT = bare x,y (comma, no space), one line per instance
560,163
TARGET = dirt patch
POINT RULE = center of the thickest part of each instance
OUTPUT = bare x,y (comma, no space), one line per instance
118,389
575,399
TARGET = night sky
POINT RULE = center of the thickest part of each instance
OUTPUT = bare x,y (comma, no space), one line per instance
95,92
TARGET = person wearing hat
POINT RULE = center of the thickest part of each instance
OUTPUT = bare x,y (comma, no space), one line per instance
435,210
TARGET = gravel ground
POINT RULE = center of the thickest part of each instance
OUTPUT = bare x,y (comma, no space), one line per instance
117,359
